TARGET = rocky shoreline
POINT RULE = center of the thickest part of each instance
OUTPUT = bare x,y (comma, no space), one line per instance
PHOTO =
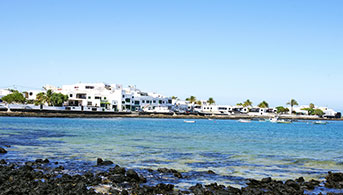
76,114
44,176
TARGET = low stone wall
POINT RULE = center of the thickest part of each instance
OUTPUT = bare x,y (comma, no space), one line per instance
88,114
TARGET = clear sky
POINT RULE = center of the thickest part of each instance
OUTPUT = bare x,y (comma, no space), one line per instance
229,50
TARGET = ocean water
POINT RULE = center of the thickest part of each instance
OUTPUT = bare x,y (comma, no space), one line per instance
233,150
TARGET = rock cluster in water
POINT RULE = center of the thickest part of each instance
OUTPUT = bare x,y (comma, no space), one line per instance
31,178
2,150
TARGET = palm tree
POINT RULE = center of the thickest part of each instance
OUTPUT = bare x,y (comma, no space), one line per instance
199,102
293,102
41,98
263,104
174,97
311,106
191,99
49,94
239,104
247,103
211,101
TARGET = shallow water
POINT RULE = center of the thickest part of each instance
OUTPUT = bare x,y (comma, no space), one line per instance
233,150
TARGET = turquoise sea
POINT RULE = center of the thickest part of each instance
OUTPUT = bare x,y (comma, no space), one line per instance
233,150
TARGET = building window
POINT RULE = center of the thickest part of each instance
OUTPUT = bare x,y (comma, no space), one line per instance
154,101
97,98
71,95
136,102
169,101
143,101
89,87
30,93
123,96
128,100
89,97
81,96
160,101
123,102
104,98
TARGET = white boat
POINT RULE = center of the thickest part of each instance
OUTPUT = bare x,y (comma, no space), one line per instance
277,120
284,121
186,121
244,120
320,122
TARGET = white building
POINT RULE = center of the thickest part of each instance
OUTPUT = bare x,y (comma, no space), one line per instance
136,100
329,113
91,96
31,94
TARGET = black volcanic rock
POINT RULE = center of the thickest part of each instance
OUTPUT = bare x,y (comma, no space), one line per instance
2,151
173,171
118,170
27,179
101,162
334,180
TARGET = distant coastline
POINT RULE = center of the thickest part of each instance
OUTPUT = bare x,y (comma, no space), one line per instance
82,114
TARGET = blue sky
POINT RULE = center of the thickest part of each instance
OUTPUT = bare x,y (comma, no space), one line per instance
229,50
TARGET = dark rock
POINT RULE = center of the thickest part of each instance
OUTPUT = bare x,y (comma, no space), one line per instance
117,178
39,160
300,180
7,146
309,185
29,163
3,162
124,192
211,172
266,180
171,171
197,189
100,162
132,174
334,180
253,182
2,151
178,175
46,160
292,184
165,170
59,168
118,170
26,168
150,170
107,162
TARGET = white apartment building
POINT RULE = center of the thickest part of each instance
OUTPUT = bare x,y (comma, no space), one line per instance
136,100
90,96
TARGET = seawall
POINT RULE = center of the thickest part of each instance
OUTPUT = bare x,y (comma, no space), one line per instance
87,114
